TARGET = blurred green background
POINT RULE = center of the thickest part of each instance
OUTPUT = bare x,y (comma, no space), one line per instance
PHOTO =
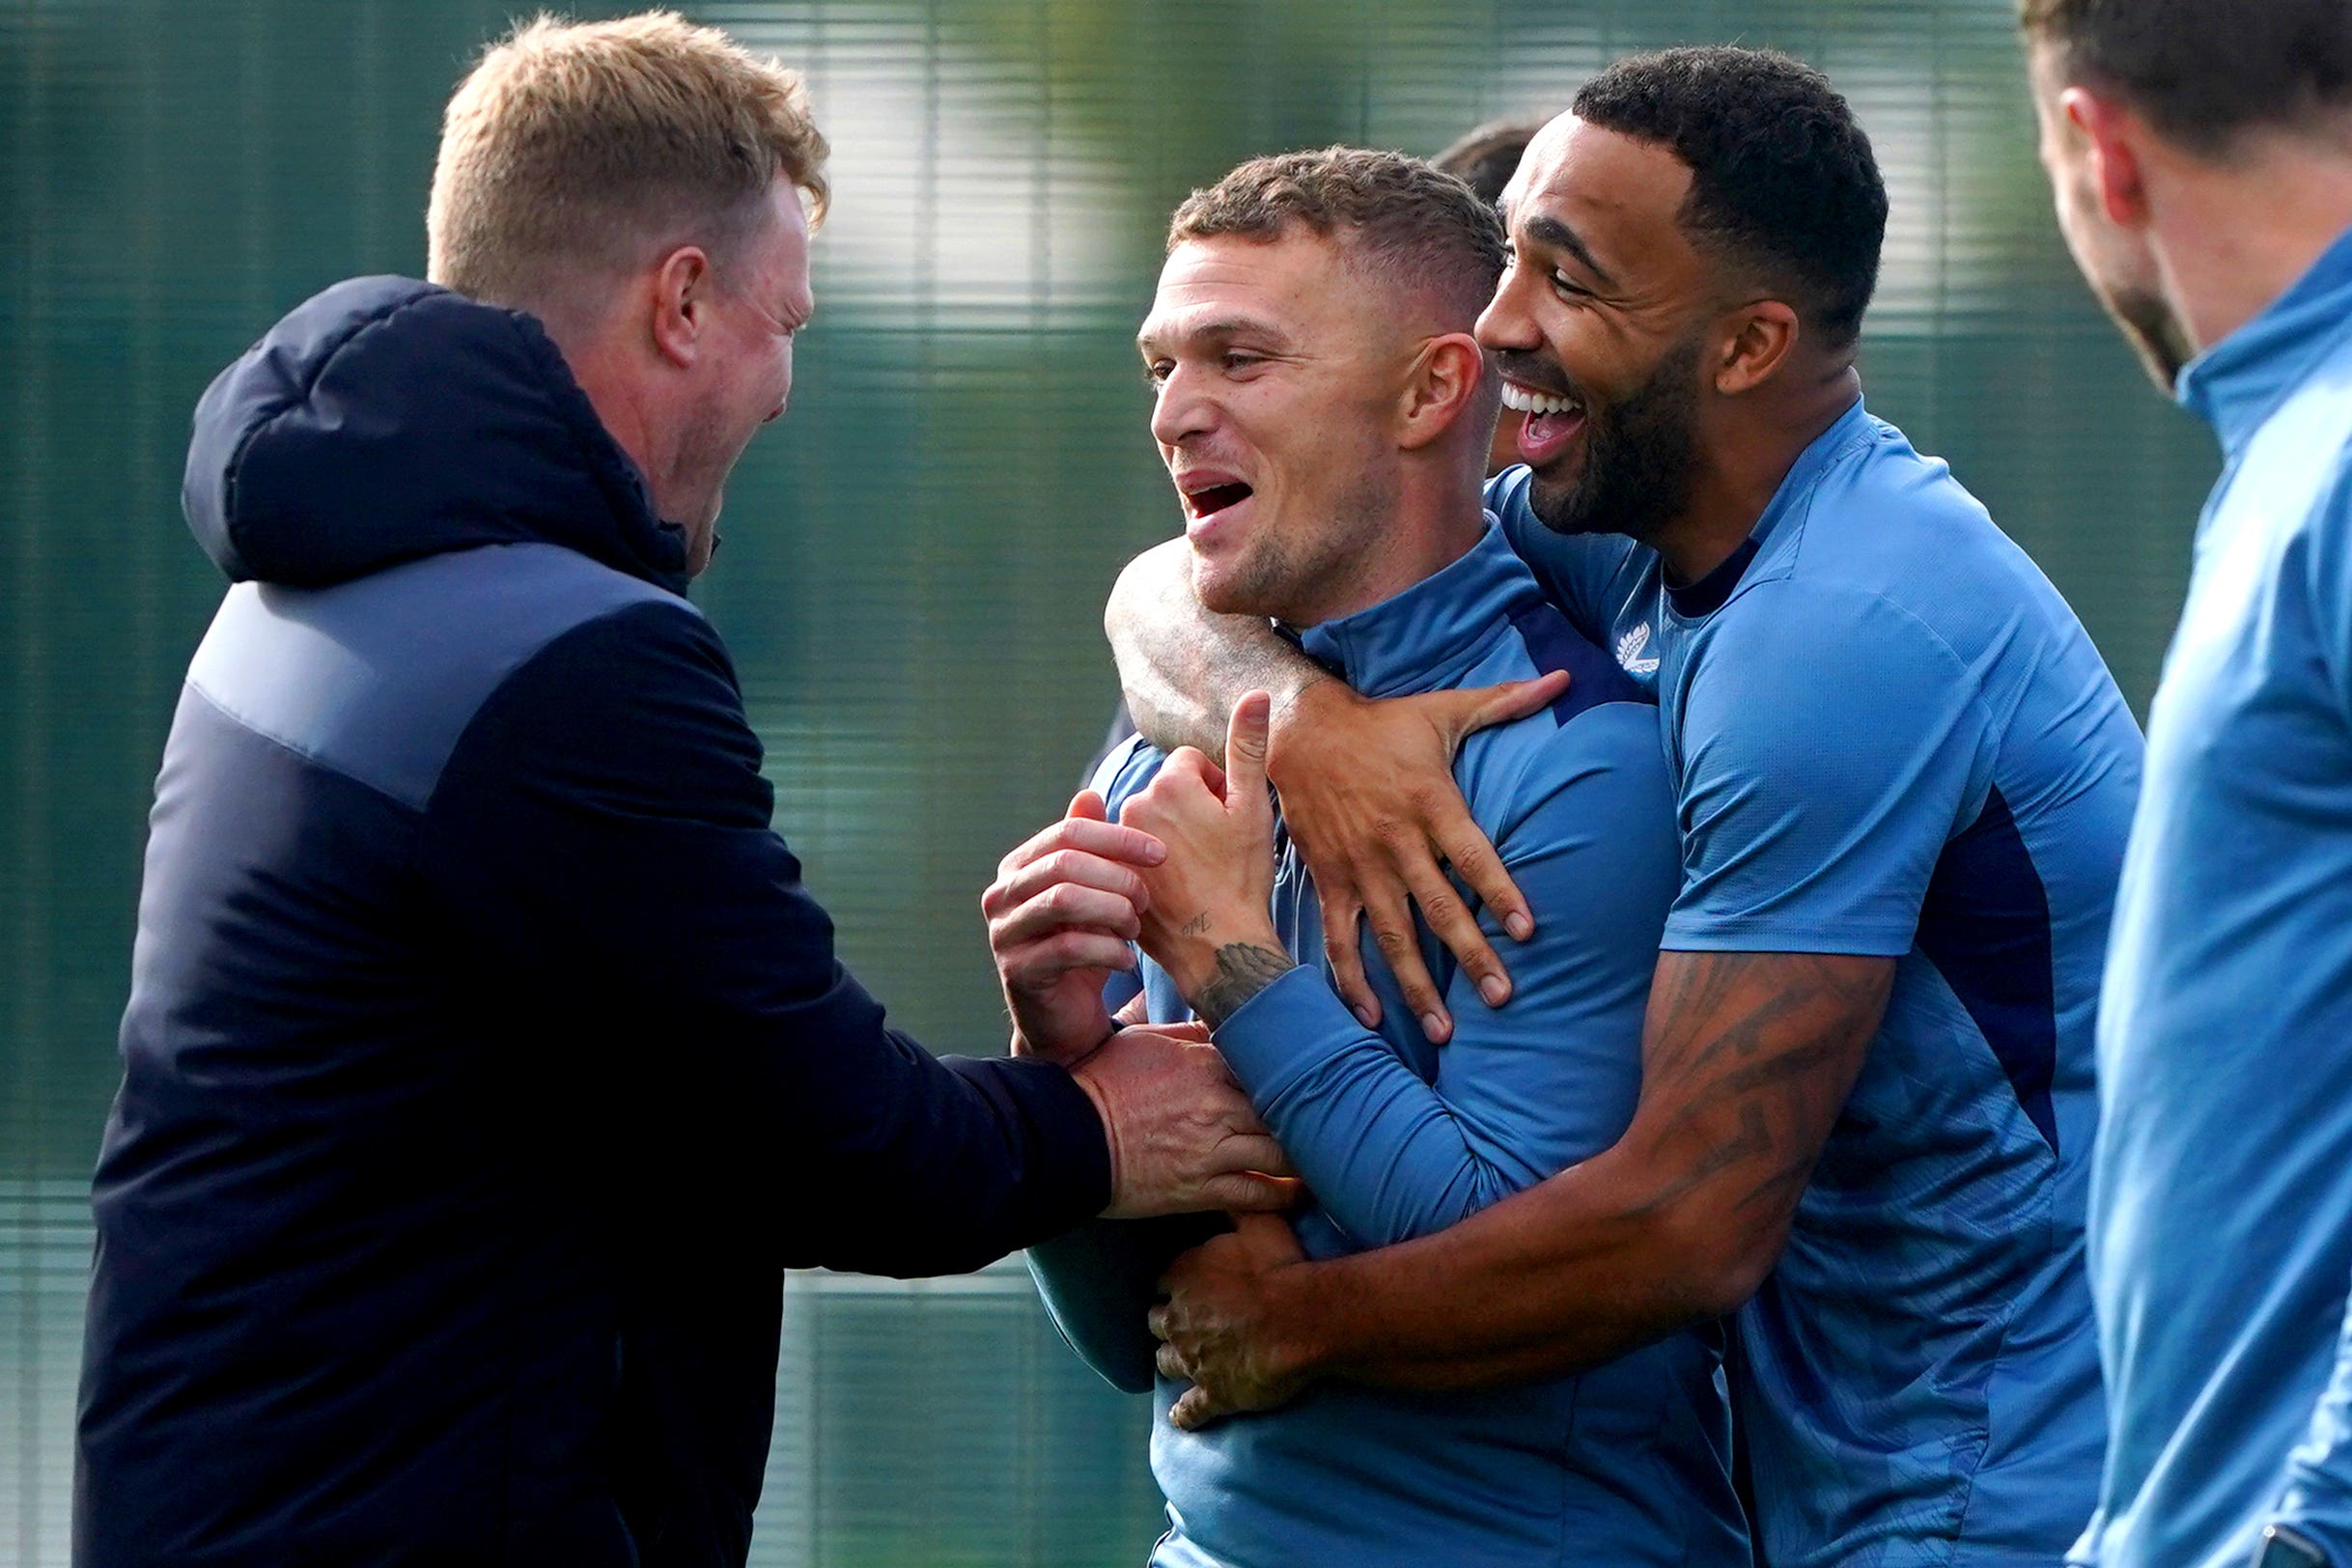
915,560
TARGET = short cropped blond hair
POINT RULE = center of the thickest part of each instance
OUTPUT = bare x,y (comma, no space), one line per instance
1403,218
577,150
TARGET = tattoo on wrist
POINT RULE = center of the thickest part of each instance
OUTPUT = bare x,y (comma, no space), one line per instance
1243,970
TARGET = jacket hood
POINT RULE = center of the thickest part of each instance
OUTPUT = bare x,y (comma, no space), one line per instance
385,420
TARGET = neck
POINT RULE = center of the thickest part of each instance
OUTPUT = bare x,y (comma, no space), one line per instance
596,365
2227,244
1440,514
1746,452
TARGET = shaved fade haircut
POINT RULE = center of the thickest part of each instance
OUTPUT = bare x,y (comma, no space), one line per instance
1399,218
574,154
1782,180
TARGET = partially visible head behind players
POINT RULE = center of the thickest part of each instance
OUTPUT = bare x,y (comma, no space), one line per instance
1484,160
1317,395
646,188
2134,94
1695,243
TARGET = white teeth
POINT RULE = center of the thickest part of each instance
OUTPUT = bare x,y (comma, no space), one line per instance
1515,396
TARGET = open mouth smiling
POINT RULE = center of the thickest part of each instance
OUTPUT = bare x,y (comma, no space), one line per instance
1206,491
1553,421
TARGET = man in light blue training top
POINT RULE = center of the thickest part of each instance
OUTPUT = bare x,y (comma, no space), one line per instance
1903,781
2202,155
1324,412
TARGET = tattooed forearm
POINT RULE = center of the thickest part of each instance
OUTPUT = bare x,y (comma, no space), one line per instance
1243,970
1749,1061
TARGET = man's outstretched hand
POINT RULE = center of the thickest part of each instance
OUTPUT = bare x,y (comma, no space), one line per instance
1368,794
1223,1327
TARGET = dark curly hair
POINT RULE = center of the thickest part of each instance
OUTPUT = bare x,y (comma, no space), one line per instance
1782,182
2203,71
1400,214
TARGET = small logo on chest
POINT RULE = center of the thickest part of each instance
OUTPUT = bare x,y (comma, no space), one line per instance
1630,648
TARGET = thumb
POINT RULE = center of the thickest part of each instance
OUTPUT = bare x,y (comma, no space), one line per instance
1246,756
1087,806
1194,1409
1512,700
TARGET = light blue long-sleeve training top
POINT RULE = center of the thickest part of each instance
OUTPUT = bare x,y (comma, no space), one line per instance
1889,736
2222,1201
1625,1464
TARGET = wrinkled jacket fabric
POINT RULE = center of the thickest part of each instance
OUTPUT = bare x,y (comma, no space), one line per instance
486,1062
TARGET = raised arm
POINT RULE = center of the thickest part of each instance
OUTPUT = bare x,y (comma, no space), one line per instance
1367,786
1181,666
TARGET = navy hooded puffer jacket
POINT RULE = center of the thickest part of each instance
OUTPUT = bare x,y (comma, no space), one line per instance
486,1061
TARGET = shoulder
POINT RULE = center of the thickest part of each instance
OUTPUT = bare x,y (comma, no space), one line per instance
1828,688
1820,632
635,700
1890,522
381,676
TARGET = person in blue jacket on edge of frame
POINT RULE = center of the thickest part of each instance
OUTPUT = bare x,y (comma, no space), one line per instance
2200,157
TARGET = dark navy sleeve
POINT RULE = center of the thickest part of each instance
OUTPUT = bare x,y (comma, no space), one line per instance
1523,1090
600,836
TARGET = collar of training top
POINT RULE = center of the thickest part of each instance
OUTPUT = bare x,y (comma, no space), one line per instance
2237,383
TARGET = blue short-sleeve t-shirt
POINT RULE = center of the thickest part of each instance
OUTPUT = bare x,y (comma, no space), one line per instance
1888,735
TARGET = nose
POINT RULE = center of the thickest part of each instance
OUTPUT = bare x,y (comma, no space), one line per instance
1182,411
1506,322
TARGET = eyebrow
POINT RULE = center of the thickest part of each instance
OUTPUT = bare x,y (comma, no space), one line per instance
1557,235
1234,326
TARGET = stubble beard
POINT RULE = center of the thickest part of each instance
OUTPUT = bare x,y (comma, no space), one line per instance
1298,581
1639,457
2154,333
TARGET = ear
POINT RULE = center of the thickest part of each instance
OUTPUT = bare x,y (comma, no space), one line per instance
1763,335
680,304
1442,382
2113,133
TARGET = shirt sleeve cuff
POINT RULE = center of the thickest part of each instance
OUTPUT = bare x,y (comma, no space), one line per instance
1697,934
1291,1025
